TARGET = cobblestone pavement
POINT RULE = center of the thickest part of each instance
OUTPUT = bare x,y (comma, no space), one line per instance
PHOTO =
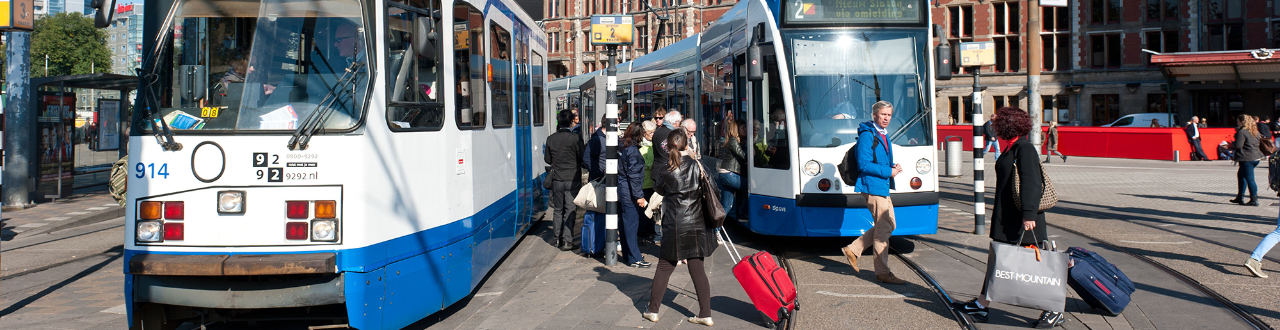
1174,213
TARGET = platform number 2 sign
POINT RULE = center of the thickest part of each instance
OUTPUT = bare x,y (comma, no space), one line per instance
272,174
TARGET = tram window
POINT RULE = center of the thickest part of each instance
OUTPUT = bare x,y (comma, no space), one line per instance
468,67
538,82
414,99
500,63
771,144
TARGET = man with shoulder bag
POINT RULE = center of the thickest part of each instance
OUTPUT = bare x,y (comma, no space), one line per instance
875,178
563,152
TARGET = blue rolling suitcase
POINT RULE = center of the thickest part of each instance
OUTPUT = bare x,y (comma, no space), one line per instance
592,233
1098,282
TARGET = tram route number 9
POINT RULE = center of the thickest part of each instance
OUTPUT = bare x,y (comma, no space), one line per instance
143,170
272,174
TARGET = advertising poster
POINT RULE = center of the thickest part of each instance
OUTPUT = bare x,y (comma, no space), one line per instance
56,124
107,127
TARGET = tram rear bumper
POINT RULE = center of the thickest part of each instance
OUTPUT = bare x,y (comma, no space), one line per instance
233,265
857,201
235,293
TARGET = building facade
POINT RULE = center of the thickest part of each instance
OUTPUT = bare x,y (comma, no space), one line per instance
124,38
568,23
1095,69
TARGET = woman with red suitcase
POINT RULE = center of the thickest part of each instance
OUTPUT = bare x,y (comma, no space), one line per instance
684,232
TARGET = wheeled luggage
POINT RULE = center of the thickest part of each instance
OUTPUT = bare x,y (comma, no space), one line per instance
592,233
1098,282
768,285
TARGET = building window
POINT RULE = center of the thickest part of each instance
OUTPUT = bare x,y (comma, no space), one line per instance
1159,10
961,109
1156,104
1105,51
1106,108
1000,101
1226,36
1104,11
1275,28
961,23
1224,25
1006,36
1055,38
1161,42
1055,108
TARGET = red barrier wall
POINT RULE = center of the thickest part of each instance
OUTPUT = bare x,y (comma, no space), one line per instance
1114,142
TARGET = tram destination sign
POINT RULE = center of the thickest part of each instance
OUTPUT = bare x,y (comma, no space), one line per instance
854,11
611,29
982,53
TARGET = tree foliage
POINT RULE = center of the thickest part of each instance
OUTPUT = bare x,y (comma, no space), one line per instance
73,44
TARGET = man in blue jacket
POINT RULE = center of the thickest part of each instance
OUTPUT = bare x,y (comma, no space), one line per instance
877,169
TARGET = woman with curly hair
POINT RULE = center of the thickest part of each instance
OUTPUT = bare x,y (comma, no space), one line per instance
1008,221
1247,154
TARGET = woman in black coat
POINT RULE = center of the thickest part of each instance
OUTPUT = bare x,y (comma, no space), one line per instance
684,232
1008,222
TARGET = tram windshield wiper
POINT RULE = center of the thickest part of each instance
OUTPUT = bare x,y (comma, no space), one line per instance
317,118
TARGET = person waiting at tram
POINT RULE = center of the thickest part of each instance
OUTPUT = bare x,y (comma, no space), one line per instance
631,197
730,168
563,154
647,226
691,127
1009,223
684,230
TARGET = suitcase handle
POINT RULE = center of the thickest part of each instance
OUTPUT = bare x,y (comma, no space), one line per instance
730,247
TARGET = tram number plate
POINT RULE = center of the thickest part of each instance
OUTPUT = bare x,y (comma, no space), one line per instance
262,159
275,174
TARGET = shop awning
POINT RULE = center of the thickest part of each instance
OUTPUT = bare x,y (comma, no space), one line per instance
1236,66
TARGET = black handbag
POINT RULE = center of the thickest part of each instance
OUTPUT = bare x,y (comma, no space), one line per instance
712,211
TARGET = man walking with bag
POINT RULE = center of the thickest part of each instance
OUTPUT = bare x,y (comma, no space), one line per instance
563,152
875,179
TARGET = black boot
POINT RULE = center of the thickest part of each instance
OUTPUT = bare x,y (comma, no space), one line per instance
1252,202
1237,200
1064,158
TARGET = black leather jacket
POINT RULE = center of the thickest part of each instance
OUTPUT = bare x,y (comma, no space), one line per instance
733,157
684,233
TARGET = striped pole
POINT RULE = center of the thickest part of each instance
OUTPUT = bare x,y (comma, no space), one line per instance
611,160
979,147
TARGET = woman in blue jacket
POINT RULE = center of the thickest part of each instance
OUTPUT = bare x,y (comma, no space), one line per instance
630,194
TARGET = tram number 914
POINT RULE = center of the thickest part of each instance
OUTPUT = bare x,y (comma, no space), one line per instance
143,170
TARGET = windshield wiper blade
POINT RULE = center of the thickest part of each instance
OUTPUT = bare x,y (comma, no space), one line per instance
309,125
922,110
164,136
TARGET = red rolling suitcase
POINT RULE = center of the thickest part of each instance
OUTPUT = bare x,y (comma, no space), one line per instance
769,286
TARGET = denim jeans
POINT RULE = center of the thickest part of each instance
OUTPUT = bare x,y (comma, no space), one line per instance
991,143
729,184
1245,178
1267,243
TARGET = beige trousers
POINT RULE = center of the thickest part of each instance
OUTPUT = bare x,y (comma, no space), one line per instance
878,236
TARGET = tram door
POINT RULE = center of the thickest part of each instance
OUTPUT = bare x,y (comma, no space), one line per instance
771,179
524,154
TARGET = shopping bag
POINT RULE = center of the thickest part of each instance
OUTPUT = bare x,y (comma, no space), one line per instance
591,197
1027,277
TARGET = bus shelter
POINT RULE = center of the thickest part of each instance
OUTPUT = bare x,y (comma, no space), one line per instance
61,146
592,99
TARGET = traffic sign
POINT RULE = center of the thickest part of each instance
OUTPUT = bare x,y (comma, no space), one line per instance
981,53
611,29
17,15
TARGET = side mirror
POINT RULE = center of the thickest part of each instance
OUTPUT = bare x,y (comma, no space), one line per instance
105,11
424,37
755,67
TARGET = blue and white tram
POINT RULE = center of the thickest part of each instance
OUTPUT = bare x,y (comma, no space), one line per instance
823,64
369,161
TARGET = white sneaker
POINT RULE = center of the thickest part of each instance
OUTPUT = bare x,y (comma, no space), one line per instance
701,320
652,317
1255,267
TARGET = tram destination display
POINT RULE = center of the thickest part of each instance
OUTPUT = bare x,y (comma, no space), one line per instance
611,29
854,11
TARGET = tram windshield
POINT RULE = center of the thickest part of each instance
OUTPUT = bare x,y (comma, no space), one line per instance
839,74
256,65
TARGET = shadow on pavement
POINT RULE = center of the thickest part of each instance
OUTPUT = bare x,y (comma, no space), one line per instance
36,296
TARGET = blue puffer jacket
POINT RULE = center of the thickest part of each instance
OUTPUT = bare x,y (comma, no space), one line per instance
876,164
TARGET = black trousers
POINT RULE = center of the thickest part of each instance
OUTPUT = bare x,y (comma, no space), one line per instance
646,223
563,217
700,285
1197,152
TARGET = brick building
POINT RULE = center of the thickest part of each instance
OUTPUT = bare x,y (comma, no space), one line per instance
568,22
1094,67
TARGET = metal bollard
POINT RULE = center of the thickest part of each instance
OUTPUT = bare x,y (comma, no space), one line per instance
953,156
1176,157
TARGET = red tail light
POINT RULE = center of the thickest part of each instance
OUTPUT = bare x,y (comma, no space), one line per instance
173,210
295,230
296,209
173,230
824,184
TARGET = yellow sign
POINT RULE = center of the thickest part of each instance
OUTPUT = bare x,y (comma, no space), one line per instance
611,29
978,53
461,36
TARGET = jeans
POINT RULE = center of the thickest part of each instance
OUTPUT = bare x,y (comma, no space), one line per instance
729,183
991,143
1245,178
1267,243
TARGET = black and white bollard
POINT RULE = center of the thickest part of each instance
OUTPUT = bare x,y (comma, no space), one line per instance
611,160
979,147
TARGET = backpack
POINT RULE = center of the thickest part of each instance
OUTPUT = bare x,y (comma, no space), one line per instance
848,167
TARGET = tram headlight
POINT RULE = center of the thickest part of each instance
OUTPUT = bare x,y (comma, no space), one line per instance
231,201
148,231
812,168
324,230
923,166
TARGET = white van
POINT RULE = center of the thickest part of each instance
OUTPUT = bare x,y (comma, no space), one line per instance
1143,120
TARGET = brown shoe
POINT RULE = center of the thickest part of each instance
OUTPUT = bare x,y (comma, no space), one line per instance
890,279
853,257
